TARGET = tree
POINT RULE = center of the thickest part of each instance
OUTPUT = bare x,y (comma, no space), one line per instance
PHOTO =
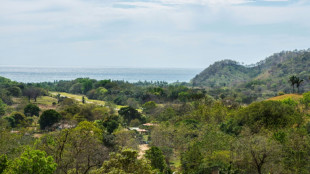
257,153
148,107
129,114
15,91
32,92
111,123
292,80
32,162
126,139
155,155
2,108
77,150
296,152
31,109
125,162
83,100
16,119
270,115
298,83
58,96
3,163
48,118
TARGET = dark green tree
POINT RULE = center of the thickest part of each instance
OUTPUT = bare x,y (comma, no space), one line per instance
155,155
129,113
3,163
48,118
83,100
16,119
298,83
292,80
31,110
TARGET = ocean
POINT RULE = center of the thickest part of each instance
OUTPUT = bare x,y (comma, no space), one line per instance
48,74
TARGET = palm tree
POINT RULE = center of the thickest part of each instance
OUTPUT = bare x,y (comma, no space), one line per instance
293,81
298,83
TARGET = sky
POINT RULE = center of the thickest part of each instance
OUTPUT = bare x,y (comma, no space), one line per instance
149,33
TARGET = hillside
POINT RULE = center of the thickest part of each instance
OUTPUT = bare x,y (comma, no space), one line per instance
271,74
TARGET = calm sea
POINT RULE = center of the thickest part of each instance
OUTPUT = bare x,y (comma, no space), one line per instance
40,74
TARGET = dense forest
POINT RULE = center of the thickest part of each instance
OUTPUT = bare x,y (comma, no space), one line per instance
261,80
229,119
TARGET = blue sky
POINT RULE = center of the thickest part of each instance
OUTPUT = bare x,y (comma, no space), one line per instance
149,33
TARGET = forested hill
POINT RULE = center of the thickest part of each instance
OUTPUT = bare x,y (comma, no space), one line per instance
272,73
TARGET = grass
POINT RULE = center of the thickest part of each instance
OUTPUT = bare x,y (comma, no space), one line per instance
79,99
45,100
296,97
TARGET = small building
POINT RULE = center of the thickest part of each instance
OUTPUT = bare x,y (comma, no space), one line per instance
140,131
149,124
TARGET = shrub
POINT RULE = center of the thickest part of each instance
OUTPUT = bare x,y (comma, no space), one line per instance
48,118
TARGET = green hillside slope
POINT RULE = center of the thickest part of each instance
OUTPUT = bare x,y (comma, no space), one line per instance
271,74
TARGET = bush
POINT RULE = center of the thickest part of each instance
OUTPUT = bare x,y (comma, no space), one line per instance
269,114
48,118
16,119
31,110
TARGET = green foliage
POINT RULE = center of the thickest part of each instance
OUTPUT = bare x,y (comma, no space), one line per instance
306,99
31,110
125,162
15,91
192,159
296,152
257,154
290,101
269,114
129,113
48,118
78,149
155,155
83,99
110,123
261,80
3,163
32,161
16,119
2,108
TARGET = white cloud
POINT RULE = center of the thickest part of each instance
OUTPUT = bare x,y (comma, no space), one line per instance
190,30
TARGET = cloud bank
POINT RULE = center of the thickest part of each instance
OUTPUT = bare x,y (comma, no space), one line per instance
149,33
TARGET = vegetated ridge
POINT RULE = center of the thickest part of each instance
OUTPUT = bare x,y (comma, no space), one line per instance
270,74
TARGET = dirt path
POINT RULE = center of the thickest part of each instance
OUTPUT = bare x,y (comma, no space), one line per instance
142,149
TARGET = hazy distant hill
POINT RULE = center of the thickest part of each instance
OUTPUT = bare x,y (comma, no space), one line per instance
270,74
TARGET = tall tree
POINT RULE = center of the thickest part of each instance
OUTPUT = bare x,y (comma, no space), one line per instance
155,155
298,83
292,80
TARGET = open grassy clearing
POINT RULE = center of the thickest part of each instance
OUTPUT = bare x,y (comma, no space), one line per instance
79,99
285,96
45,100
